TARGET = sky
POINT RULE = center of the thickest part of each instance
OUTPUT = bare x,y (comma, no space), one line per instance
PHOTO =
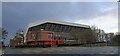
59,0
17,15
0,14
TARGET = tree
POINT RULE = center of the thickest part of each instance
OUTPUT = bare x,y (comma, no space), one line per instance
77,35
20,34
115,40
0,33
3,34
0,38
90,35
85,35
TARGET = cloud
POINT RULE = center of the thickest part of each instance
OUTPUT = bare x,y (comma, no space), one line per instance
0,14
82,10
108,21
60,0
119,17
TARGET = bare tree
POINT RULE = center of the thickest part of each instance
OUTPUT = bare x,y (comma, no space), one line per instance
90,36
77,35
3,34
84,36
20,35
115,41
0,33
0,37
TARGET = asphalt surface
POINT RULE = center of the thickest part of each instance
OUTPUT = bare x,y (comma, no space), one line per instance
63,50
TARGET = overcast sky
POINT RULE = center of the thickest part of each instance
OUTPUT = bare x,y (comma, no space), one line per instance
20,14
0,14
59,0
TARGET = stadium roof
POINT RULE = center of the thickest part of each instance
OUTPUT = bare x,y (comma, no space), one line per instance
57,22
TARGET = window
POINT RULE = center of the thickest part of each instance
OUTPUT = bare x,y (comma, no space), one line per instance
33,36
50,35
55,36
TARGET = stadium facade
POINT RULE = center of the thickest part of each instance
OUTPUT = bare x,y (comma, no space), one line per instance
51,32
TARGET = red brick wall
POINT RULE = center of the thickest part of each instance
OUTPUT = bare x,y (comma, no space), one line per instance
43,35
11,43
29,36
39,37
15,41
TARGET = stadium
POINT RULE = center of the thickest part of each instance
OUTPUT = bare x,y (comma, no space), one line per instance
51,32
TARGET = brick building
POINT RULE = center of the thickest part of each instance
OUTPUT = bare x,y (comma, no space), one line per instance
15,41
50,32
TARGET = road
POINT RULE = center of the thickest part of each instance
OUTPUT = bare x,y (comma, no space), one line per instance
63,50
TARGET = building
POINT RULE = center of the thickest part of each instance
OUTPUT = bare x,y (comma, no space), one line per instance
17,40
109,36
51,32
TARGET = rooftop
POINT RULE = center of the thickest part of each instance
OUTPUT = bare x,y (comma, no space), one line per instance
57,22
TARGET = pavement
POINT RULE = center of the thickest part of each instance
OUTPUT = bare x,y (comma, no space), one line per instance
63,50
